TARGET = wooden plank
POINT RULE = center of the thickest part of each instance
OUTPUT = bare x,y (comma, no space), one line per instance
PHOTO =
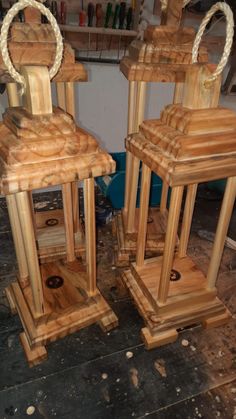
37,97
68,221
170,240
90,234
143,215
24,212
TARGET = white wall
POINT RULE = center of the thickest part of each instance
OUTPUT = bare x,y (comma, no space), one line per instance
101,104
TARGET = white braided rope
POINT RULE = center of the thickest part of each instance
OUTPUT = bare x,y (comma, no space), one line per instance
4,36
164,4
229,37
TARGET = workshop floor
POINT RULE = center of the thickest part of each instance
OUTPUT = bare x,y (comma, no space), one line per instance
92,375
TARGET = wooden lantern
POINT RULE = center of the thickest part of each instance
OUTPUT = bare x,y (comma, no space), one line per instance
191,143
163,56
33,43
39,147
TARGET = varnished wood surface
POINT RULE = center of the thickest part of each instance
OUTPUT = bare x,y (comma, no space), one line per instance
34,44
199,377
163,56
188,146
53,141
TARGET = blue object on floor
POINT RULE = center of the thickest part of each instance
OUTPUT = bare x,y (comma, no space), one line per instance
217,185
113,186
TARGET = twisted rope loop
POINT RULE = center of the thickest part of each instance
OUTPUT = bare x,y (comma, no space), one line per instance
228,42
4,36
164,4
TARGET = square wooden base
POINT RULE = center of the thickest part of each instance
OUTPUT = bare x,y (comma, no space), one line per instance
189,302
126,243
67,308
51,236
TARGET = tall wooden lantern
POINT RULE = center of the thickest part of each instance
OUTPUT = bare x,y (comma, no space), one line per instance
191,143
33,43
42,146
163,56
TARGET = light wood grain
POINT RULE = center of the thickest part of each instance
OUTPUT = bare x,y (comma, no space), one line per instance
171,235
172,15
24,212
68,221
221,232
37,98
143,215
187,219
18,240
90,234
130,129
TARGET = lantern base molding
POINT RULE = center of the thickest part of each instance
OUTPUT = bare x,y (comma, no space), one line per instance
127,242
67,308
189,301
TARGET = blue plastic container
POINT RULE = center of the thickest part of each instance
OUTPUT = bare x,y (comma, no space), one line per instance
113,186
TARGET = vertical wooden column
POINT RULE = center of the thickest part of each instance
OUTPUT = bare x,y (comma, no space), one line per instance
13,100
24,211
222,228
90,234
66,101
130,130
173,13
187,219
170,240
12,94
68,221
18,240
140,108
143,214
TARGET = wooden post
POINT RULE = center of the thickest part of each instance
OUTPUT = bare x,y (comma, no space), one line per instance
66,101
187,219
70,98
68,221
172,15
143,214
12,94
61,98
164,196
140,108
90,234
24,212
197,94
18,240
170,241
178,92
222,228
130,130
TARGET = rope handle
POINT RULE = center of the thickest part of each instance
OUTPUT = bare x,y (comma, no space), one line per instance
224,7
4,37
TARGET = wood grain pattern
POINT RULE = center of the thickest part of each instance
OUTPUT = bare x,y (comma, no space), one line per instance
34,44
37,98
173,13
50,139
164,55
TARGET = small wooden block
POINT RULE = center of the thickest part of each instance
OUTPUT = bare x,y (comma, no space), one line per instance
216,321
34,356
108,322
10,300
160,339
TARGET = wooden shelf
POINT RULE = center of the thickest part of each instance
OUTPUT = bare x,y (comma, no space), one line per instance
95,30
